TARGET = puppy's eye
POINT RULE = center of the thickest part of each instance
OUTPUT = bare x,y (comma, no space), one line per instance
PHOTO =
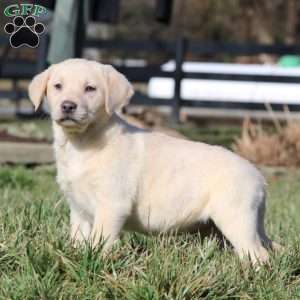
90,88
58,86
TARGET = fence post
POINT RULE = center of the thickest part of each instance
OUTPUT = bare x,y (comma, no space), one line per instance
42,63
178,75
42,53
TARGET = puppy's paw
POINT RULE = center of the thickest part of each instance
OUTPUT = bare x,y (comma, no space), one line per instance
77,243
277,247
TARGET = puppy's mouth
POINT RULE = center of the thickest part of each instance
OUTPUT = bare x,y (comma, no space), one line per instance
68,121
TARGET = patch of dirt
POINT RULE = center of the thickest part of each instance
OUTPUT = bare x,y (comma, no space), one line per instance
6,137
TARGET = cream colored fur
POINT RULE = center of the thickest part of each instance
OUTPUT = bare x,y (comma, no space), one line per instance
116,176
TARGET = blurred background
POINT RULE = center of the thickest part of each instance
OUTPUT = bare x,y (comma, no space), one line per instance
223,72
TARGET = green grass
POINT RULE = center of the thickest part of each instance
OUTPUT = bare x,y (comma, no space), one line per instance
37,260
221,135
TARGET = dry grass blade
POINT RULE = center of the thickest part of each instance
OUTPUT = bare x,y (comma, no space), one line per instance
280,148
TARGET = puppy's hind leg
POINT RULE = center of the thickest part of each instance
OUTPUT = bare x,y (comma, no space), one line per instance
267,242
240,219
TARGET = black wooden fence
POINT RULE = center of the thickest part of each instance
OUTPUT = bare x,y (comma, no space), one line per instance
177,50
14,68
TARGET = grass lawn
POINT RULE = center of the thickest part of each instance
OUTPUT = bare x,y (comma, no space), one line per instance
37,260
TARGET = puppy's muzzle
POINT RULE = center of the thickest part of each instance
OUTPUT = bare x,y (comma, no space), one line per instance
68,107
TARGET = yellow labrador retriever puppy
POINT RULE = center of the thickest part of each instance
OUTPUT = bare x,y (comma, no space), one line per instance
116,176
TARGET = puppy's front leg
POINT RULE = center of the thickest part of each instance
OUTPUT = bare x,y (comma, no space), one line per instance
80,227
107,226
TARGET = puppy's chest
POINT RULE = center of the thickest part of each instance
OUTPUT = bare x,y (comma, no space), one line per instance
70,177
79,180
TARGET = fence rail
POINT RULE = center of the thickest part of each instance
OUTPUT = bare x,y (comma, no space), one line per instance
176,50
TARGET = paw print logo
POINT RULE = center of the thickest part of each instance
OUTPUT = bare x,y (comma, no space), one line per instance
24,32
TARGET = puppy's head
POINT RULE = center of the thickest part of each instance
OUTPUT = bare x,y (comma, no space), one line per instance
79,92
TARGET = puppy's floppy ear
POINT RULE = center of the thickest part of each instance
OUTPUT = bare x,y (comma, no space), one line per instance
119,90
37,88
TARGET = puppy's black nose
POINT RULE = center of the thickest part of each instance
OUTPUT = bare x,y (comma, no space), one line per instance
68,107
